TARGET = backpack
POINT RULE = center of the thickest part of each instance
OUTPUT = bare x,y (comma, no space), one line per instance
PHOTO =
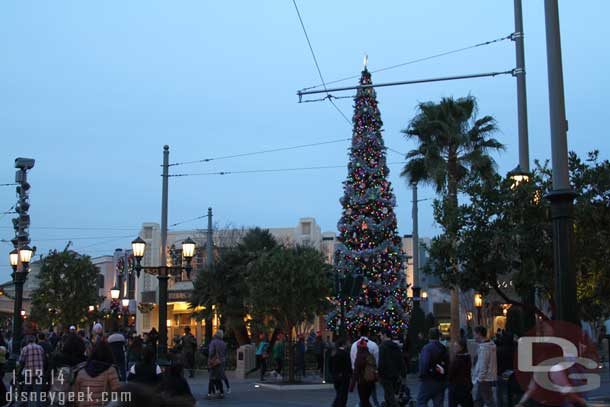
441,361
370,369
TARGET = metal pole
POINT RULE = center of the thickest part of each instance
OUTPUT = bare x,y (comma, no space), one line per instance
209,262
163,274
562,196
416,279
22,238
524,160
301,93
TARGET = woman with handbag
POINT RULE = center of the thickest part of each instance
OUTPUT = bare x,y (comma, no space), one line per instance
216,360
365,374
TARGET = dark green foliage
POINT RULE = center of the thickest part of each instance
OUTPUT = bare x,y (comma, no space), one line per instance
291,285
67,286
225,284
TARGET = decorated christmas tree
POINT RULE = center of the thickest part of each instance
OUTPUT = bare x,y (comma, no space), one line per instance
369,249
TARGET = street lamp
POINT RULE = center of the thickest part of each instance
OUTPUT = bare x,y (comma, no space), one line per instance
424,295
25,255
163,273
125,304
115,292
14,259
518,175
478,303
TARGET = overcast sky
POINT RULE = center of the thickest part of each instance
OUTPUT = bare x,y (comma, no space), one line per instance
93,90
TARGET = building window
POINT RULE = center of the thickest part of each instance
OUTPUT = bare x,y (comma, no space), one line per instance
100,281
147,232
307,228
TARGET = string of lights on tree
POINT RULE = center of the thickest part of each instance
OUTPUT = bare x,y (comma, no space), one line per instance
369,243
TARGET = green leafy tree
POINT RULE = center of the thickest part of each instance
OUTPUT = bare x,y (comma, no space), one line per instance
452,143
224,285
291,285
591,181
67,286
505,231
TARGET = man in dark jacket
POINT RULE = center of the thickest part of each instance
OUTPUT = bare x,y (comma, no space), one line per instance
391,367
433,370
341,369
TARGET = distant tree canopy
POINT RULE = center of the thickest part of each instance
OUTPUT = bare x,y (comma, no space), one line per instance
67,286
506,230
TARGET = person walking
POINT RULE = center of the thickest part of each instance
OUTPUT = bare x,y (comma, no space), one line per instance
216,361
98,378
299,351
372,346
145,372
278,353
460,373
175,389
607,334
32,361
391,367
262,354
341,370
318,351
364,373
485,370
433,370
117,345
189,347
135,350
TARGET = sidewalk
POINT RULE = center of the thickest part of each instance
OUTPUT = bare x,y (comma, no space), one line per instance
248,393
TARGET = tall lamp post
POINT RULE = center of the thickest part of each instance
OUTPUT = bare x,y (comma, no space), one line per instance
115,293
23,256
478,304
125,309
562,195
163,273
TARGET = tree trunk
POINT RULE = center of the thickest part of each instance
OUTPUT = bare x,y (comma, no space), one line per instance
291,354
453,228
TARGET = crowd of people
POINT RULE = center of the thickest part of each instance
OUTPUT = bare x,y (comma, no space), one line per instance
468,380
97,363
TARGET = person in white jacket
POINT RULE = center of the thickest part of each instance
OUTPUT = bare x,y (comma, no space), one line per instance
485,370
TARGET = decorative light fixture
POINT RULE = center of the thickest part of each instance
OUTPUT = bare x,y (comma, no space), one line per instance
138,246
424,295
25,254
188,249
478,300
518,175
115,292
125,302
91,308
14,259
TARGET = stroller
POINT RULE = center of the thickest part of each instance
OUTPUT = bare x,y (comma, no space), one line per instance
403,396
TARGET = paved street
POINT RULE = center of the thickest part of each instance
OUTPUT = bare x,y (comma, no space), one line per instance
244,393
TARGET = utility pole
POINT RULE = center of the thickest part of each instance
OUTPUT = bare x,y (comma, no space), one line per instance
163,277
562,195
415,249
209,262
524,161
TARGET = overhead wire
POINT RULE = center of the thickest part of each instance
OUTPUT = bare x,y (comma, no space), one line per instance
74,228
266,170
188,220
315,60
273,150
413,61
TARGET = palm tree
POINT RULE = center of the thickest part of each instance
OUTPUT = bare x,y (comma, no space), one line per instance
452,144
